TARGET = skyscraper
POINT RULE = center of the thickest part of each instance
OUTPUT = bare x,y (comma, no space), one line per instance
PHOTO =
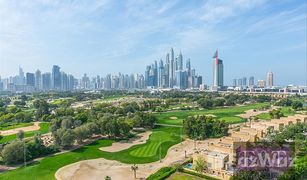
244,81
21,77
180,62
270,79
38,80
56,78
30,79
218,79
172,69
251,81
161,74
46,77
234,82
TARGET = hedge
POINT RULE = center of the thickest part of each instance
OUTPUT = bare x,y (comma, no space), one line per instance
162,173
199,175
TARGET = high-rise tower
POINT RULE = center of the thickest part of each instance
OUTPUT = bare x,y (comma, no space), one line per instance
172,69
218,71
270,79
56,78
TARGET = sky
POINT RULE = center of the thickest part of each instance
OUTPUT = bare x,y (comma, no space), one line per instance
99,37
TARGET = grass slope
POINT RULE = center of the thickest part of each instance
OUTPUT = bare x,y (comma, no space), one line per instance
285,110
46,168
228,114
8,126
44,128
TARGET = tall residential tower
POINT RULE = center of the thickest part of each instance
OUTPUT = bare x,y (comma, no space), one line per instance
218,72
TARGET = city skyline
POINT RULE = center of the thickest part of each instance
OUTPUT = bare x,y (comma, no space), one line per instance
95,39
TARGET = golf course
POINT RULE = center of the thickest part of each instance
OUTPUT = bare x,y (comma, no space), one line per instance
44,128
163,137
156,147
229,114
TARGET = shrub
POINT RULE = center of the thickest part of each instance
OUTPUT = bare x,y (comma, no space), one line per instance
13,152
162,173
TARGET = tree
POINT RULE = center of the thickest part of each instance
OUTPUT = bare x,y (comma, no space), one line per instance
134,168
82,132
107,178
20,135
64,137
200,164
67,123
67,138
42,108
13,152
205,103
296,105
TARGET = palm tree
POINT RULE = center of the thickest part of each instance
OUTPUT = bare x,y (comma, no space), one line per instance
134,168
200,164
107,178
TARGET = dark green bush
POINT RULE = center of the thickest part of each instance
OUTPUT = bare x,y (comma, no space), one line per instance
162,173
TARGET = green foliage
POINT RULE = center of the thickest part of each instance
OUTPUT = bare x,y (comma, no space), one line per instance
42,108
199,175
296,105
13,152
200,164
20,135
248,175
276,114
47,167
162,173
284,102
205,103
202,127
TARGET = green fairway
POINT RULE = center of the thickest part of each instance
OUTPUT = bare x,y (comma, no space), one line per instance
157,138
229,114
46,168
44,128
285,110
150,151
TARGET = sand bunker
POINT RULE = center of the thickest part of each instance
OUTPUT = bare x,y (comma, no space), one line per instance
122,145
100,168
173,118
25,129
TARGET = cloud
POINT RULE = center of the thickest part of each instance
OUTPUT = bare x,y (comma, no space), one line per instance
214,11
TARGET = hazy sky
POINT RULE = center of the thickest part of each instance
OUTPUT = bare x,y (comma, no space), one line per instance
111,36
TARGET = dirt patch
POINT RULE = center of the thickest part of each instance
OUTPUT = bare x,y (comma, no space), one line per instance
251,112
25,129
122,145
173,118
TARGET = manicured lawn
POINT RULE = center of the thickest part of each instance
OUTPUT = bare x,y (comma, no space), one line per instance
229,114
183,176
150,151
44,128
285,110
46,168
8,126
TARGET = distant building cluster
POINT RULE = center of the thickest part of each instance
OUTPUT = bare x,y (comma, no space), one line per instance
243,83
120,81
172,74
30,82
57,80
164,74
